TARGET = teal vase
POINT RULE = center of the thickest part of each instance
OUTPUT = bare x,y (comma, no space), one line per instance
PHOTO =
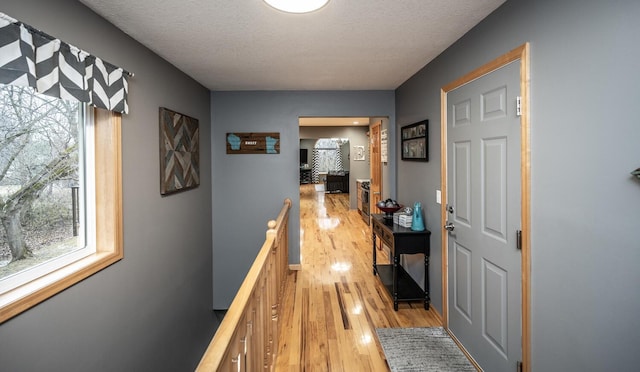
417,223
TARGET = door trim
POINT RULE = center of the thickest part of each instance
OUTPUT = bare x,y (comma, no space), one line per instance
375,163
520,53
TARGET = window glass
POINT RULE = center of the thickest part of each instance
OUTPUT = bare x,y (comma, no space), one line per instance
328,154
43,192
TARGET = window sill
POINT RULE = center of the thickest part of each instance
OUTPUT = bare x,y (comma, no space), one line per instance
22,298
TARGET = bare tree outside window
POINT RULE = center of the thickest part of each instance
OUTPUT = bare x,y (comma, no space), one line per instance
39,167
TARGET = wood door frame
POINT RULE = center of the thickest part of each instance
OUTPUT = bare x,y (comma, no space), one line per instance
375,162
520,53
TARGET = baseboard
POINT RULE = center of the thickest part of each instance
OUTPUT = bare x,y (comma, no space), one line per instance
295,267
436,314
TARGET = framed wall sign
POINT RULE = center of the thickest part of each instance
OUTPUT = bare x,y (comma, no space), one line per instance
253,143
415,141
383,146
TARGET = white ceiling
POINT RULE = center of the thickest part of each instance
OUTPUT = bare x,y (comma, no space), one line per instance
247,45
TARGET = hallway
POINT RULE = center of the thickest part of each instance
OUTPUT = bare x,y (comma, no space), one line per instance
337,302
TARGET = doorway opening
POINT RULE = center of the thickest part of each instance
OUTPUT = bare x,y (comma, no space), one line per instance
333,155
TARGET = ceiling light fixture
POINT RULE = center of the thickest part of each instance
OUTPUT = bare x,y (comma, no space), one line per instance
297,6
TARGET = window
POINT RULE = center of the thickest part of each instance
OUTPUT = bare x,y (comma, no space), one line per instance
43,188
60,195
329,154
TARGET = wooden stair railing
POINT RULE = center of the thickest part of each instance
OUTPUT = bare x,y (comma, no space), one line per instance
247,338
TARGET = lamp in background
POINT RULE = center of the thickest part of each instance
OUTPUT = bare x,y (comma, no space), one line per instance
297,6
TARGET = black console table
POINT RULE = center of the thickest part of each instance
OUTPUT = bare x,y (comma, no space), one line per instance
401,240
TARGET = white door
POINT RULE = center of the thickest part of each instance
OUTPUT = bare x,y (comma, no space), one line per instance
483,177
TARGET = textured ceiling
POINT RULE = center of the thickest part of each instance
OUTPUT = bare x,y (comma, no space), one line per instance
247,45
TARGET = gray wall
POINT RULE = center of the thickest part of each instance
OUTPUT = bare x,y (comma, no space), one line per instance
585,139
248,190
357,137
152,310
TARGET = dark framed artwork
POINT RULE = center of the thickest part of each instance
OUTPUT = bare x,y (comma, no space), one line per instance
179,152
414,140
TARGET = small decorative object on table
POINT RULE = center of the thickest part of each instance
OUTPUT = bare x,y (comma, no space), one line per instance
403,217
389,207
417,224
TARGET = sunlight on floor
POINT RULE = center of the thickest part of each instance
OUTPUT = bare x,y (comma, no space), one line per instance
301,242
324,222
357,309
366,339
341,267
328,223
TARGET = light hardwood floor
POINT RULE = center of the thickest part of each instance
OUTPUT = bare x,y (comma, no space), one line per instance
333,305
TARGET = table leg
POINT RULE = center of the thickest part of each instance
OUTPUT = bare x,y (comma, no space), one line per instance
373,238
396,262
427,299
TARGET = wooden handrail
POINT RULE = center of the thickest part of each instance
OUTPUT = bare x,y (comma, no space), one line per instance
247,338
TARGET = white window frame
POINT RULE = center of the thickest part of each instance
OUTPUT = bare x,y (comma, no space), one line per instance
107,177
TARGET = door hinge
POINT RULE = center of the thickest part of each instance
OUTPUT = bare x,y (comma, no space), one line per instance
519,239
518,106
519,366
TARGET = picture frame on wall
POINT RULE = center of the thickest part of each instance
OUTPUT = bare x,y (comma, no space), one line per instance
179,152
359,154
415,141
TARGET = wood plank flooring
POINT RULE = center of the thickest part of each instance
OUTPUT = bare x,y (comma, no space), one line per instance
334,303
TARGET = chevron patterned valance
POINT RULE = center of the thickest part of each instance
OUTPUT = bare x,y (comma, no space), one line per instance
29,57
